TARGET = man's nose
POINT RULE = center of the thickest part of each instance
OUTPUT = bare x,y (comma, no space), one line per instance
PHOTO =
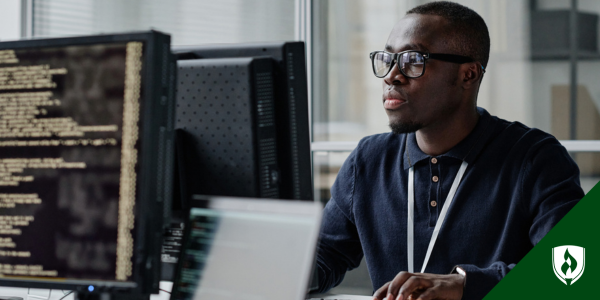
395,77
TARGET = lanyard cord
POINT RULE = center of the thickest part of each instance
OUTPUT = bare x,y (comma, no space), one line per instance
438,225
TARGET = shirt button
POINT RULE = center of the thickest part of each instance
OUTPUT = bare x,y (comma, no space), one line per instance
435,179
434,160
433,203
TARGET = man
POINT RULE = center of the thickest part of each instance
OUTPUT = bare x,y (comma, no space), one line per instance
451,189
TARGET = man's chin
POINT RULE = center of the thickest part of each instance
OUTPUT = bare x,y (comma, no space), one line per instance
400,127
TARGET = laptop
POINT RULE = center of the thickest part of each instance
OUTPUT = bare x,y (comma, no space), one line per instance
252,249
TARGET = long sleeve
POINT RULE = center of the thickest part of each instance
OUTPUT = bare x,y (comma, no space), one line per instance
339,246
549,188
481,281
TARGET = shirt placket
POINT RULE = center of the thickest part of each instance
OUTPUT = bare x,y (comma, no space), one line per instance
435,182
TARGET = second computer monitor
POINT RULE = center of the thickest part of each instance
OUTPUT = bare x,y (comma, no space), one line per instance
226,112
290,103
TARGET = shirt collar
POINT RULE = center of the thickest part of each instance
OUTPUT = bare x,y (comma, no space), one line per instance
467,150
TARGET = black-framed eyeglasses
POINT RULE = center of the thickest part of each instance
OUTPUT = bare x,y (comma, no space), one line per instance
411,63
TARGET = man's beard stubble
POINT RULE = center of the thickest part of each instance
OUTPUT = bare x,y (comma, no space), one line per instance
400,127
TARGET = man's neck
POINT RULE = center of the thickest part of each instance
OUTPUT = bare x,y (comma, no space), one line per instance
439,138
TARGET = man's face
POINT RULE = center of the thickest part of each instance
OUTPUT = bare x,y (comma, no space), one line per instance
415,103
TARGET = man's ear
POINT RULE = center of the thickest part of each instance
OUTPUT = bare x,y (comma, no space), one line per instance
472,73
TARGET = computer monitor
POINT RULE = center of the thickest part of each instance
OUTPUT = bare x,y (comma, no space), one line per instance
290,109
86,147
225,107
240,248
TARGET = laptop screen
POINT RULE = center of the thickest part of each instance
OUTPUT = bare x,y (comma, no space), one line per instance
248,249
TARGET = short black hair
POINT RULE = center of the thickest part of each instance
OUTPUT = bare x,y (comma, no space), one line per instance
470,35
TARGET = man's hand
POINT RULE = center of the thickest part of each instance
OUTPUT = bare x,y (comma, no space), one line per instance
422,286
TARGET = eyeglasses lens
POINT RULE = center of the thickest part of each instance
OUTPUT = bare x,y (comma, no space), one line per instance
412,64
381,63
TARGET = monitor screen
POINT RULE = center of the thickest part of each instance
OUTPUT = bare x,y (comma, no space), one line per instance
72,155
248,249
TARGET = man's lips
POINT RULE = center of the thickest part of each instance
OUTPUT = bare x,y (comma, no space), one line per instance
393,103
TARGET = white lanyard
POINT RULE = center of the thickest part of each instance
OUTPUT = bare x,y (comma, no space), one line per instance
411,212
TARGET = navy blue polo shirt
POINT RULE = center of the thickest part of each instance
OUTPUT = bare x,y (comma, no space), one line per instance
518,184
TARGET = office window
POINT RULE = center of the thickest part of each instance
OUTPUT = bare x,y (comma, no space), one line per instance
188,21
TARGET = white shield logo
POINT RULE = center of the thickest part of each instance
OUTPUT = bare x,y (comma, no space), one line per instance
568,263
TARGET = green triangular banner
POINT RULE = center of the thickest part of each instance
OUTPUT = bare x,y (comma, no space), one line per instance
538,275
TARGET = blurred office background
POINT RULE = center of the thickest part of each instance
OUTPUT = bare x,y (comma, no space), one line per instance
536,74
